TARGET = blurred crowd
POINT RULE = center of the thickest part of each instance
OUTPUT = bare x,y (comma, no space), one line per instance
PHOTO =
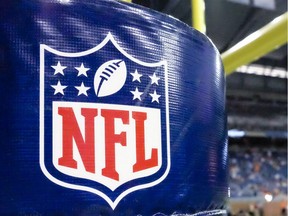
257,171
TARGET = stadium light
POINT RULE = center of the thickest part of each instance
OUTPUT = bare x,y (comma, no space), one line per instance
263,70
268,197
234,133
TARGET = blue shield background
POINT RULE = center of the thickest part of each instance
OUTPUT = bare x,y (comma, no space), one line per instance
70,79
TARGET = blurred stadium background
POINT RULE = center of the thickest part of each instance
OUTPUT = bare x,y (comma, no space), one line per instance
256,103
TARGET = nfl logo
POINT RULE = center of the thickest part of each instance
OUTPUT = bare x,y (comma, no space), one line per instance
104,120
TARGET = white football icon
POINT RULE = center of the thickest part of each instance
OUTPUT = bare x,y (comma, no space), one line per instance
110,77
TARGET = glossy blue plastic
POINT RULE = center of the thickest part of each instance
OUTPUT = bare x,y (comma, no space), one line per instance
195,85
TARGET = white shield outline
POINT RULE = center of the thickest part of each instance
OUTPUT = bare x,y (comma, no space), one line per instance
108,38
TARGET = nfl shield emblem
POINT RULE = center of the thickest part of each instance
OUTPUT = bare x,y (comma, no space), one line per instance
104,120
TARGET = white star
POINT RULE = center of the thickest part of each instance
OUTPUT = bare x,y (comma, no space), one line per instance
58,88
154,79
59,68
155,96
136,94
82,89
136,76
82,70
